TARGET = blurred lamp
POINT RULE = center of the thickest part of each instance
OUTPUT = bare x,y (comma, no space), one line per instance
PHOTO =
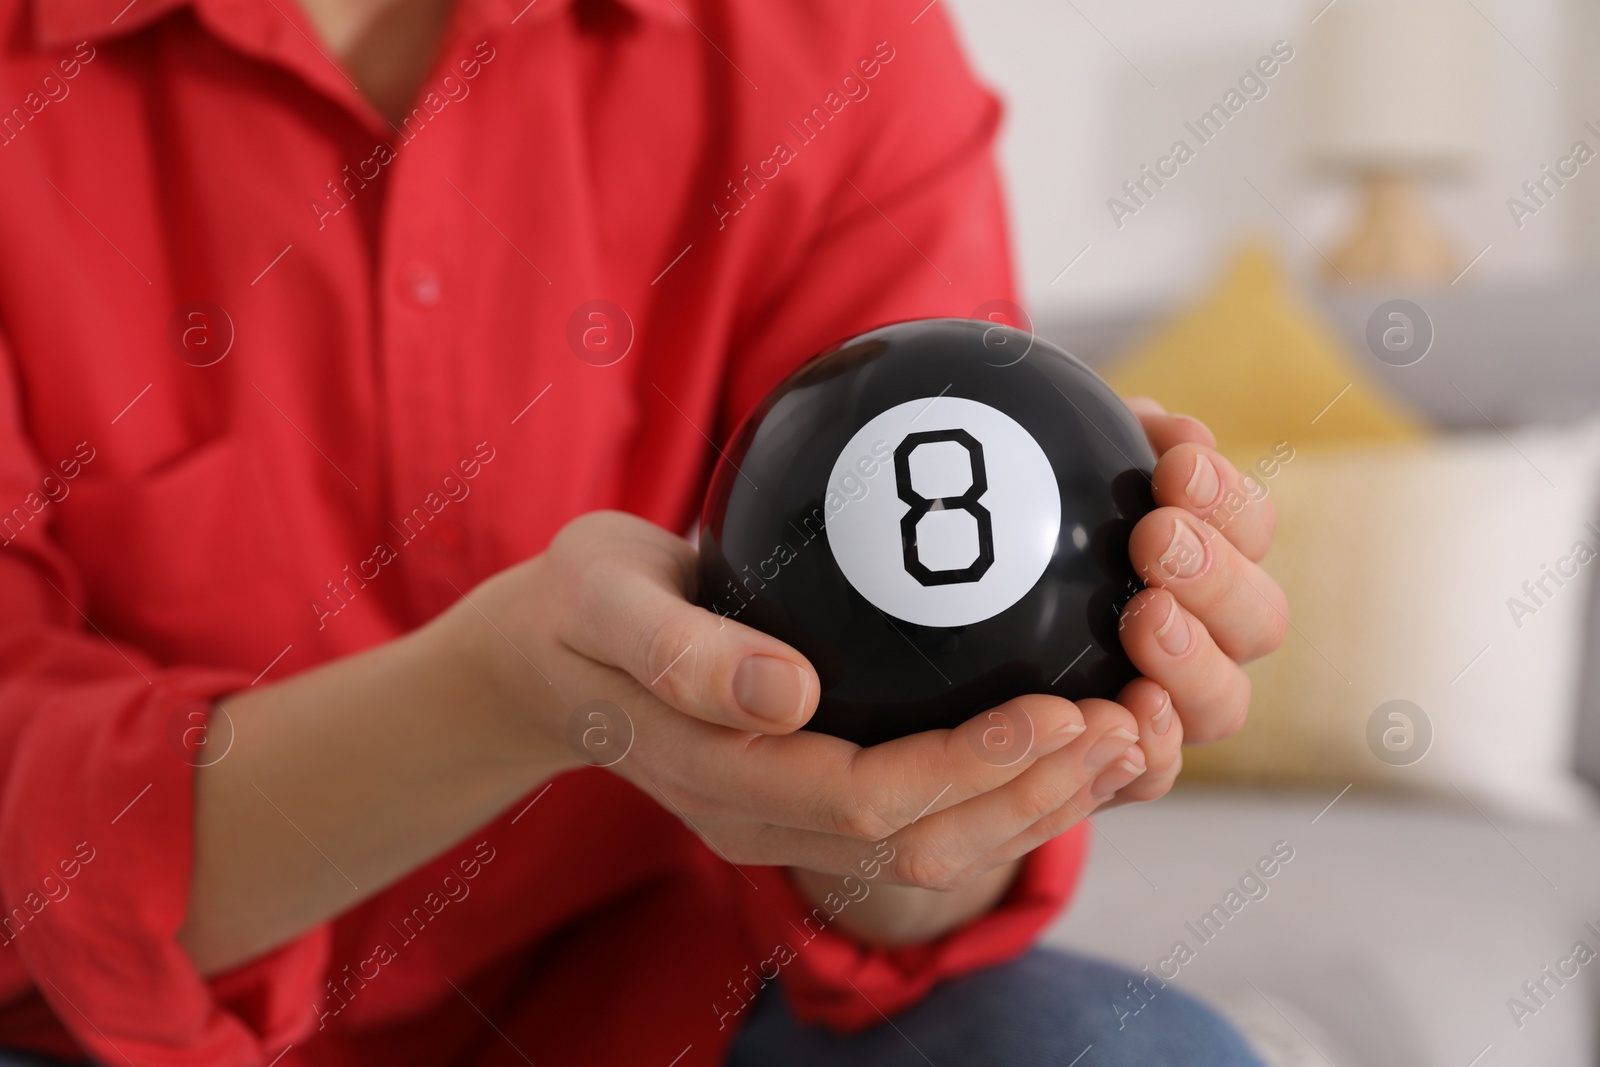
1397,92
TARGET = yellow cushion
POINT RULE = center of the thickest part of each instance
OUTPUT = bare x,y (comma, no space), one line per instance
1261,371
1398,561
1257,368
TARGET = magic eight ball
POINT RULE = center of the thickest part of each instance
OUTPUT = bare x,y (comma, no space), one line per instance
936,514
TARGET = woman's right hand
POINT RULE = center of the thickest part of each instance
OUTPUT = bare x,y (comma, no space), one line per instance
705,712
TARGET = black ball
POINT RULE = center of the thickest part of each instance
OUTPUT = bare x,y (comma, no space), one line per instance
936,514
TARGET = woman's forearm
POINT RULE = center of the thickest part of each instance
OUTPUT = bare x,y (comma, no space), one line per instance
341,780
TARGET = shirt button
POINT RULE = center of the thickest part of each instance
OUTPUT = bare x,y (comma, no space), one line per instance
422,287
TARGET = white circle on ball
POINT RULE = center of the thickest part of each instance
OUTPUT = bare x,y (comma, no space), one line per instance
942,511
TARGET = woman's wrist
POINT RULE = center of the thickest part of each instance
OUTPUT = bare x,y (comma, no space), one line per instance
496,684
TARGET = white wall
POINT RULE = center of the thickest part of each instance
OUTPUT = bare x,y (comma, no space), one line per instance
1097,88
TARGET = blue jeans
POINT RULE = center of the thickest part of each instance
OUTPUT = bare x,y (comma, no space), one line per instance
1047,1009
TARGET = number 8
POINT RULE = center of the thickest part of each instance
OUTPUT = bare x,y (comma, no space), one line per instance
921,506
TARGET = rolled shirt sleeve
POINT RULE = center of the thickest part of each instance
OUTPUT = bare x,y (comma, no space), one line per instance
98,749
831,979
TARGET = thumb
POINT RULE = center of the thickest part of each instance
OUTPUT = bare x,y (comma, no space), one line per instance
637,618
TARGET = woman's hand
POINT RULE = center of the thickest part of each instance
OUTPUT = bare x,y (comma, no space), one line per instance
712,707
1208,608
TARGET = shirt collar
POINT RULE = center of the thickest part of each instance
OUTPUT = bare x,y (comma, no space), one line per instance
61,22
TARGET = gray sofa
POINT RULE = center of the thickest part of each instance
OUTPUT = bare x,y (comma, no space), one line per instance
1399,931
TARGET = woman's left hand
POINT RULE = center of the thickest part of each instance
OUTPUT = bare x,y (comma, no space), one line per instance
1208,608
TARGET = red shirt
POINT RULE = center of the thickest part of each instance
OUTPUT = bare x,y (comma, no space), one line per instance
277,379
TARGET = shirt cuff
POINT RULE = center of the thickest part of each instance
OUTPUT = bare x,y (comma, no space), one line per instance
96,841
830,979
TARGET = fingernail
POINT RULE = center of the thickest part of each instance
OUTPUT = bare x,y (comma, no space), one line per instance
1185,556
1161,721
1114,778
771,688
1173,635
1204,485
1059,737
1109,748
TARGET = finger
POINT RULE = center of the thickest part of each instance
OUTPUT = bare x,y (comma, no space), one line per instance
634,616
941,850
1160,738
812,781
1239,603
751,843
1168,431
1077,807
889,786
1210,692
1202,482
744,841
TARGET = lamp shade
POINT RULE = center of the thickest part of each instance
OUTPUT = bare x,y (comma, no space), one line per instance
1397,85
